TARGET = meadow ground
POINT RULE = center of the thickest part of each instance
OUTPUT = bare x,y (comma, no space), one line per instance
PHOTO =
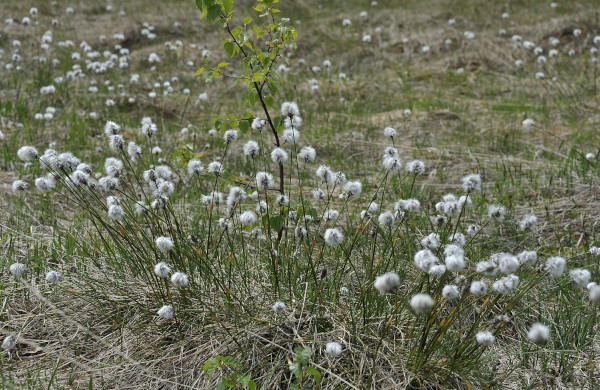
286,286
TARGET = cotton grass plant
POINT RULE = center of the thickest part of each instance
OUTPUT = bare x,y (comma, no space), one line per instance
417,271
277,249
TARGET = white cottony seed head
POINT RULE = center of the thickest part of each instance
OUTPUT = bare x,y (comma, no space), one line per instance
581,277
471,183
264,180
230,136
164,244
432,241
527,258
27,153
478,288
409,205
389,132
333,349
353,188
179,279
215,168
555,266
595,294
115,212
162,269
539,333
496,212
458,239
166,312
594,251
116,142
387,283
307,154
19,185
415,167
133,150
258,124
279,307
506,285
425,259
111,128
9,342
333,237
282,200
437,270
455,263
290,109
251,149
488,268
392,164
422,303
485,338
53,277
451,292
386,219
508,263
528,124
527,222
248,218
194,167
325,174
17,269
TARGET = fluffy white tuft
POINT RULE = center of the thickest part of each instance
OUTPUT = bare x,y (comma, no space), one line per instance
387,283
539,333
422,303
